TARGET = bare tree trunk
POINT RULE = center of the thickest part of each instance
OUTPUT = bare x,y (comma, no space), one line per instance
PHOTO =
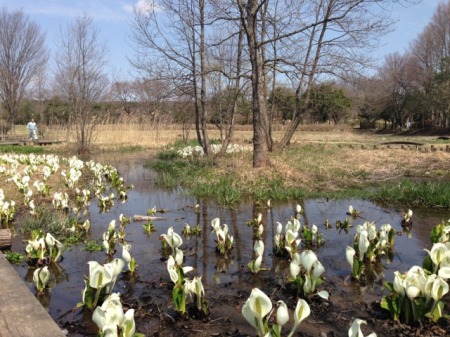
204,114
264,71
249,17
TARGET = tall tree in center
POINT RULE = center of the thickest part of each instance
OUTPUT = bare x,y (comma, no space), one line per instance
249,13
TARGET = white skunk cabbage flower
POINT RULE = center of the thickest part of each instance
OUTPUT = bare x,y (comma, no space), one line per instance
349,254
256,308
355,329
282,313
41,276
363,244
258,248
308,258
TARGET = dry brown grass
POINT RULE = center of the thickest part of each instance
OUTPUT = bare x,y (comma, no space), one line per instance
333,167
150,135
155,136
145,135
321,157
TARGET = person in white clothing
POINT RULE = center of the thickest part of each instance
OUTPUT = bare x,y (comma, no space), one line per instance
32,129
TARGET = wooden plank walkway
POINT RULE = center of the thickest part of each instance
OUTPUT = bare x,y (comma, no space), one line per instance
21,314
28,142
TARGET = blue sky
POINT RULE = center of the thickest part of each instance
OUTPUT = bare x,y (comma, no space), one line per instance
112,17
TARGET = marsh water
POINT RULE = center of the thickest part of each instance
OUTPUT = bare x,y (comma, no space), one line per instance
220,275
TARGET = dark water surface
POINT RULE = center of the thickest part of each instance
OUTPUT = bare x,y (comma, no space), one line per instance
218,273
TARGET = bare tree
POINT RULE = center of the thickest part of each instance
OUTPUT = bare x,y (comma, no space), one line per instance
309,39
399,77
368,98
23,57
432,51
225,79
302,40
123,92
170,45
151,94
80,78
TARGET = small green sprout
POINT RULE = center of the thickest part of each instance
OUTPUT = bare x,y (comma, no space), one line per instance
149,227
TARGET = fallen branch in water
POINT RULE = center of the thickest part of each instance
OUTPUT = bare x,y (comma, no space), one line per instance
137,218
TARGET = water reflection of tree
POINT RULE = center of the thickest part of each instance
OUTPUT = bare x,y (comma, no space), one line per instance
222,263
236,233
203,214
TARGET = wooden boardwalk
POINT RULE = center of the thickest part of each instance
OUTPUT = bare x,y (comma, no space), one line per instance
21,314
21,142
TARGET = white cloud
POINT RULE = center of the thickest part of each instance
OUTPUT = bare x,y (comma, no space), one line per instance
142,6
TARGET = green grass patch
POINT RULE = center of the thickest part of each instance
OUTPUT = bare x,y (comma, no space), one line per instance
49,220
25,149
179,144
407,192
168,155
131,148
92,246
61,225
223,190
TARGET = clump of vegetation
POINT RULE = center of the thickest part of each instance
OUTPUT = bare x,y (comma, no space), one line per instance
47,220
15,257
224,240
258,311
149,227
41,277
92,246
415,295
418,294
100,282
111,319
184,289
307,274
191,230
43,248
369,246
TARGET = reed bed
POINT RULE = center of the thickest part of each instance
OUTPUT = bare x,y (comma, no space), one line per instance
154,135
157,135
